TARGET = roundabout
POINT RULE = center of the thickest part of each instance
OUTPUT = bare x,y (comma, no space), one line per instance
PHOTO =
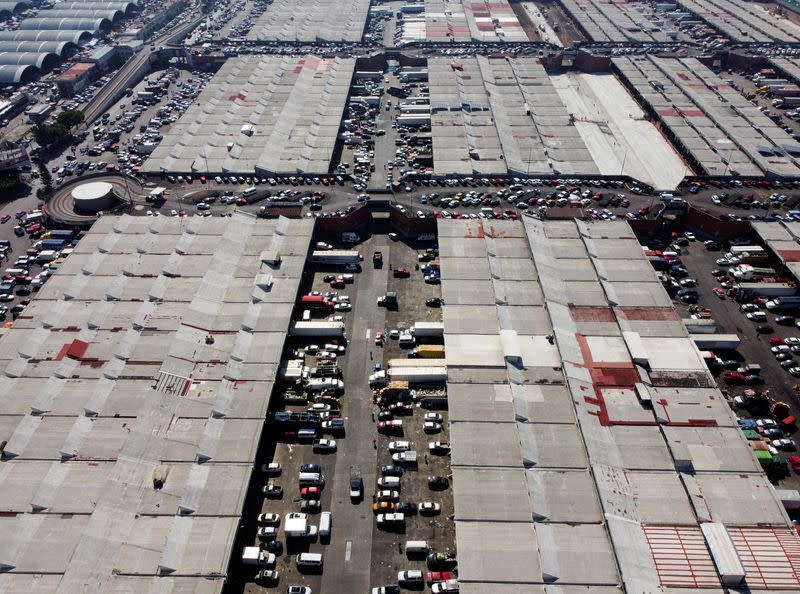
79,202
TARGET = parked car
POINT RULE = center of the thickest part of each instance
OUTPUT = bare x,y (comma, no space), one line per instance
438,482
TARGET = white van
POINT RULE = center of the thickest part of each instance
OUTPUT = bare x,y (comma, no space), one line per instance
406,339
312,478
325,524
416,547
249,191
307,560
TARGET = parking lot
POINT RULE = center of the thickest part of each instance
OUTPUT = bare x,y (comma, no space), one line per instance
364,555
755,348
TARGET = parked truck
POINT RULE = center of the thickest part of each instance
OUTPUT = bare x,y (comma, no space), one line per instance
316,302
713,342
427,351
323,328
296,526
337,257
255,556
350,237
749,272
785,303
388,300
425,329
746,291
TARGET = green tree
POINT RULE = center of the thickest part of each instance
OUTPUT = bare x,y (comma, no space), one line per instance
9,180
70,118
47,179
47,134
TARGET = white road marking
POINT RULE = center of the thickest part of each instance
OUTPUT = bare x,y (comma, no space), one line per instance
348,550
369,333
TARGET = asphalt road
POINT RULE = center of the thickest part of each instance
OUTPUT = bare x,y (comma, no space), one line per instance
754,348
350,550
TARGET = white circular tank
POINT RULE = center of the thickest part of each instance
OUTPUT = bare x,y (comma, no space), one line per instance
93,196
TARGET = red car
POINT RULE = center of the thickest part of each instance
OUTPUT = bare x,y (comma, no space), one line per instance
402,272
438,576
310,492
764,329
719,292
775,341
733,378
794,462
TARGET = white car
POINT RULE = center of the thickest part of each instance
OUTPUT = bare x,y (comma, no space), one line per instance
791,340
757,316
218,179
433,416
319,407
429,508
410,576
269,519
324,445
272,468
432,427
267,533
343,306
399,446
781,348
448,586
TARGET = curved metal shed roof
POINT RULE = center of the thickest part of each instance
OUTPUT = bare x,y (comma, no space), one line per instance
14,7
126,7
38,47
44,61
14,75
113,15
75,36
65,24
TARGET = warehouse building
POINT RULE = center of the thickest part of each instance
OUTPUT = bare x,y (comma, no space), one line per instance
260,114
715,127
89,25
74,36
746,22
782,239
454,20
616,22
318,20
615,460
134,391
495,116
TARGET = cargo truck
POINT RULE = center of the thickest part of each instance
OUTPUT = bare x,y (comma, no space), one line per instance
339,257
427,351
255,556
388,300
749,272
323,329
50,244
745,291
424,329
712,342
296,526
784,303
316,302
